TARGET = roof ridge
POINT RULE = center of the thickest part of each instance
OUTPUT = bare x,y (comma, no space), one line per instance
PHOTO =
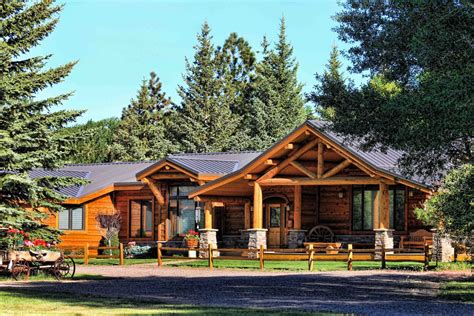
217,153
111,163
205,159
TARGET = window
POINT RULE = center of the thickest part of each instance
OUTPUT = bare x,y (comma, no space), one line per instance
363,205
72,218
397,208
363,208
141,218
184,214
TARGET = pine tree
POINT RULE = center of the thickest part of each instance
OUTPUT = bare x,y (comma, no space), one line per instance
95,140
277,105
141,133
29,135
204,121
331,88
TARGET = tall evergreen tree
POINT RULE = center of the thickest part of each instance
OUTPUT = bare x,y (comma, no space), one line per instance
277,105
29,136
141,133
204,121
419,97
95,140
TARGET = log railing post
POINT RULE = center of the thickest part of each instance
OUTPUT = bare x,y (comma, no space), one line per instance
349,257
121,254
262,260
427,254
211,253
384,263
86,253
310,257
158,253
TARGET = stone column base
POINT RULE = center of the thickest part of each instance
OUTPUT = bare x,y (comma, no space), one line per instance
207,237
257,238
296,238
383,238
443,249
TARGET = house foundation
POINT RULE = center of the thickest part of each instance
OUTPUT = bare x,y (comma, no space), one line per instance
443,249
296,238
207,236
383,239
257,238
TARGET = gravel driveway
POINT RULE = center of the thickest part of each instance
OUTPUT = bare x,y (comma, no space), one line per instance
364,292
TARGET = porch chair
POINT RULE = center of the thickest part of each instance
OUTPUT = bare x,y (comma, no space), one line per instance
416,239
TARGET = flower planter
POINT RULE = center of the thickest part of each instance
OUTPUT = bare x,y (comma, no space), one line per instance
192,243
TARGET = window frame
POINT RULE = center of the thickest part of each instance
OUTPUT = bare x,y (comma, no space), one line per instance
142,212
69,209
396,189
179,198
362,189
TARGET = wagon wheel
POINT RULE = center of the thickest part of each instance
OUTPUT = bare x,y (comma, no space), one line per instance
20,270
320,233
64,268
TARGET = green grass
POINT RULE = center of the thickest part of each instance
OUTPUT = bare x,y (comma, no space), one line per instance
18,302
458,290
112,262
298,265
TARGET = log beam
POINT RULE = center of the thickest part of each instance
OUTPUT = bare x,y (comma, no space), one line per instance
155,190
337,169
303,169
161,176
257,206
251,176
282,165
223,199
327,181
320,168
384,206
297,208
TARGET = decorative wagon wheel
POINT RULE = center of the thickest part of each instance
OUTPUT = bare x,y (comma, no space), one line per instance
64,267
20,270
320,233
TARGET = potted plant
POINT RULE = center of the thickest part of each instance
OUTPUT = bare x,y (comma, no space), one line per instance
191,238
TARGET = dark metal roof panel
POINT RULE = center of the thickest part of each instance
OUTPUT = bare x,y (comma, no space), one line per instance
206,166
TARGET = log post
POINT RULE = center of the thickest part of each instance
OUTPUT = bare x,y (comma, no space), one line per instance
349,257
262,262
159,254
310,257
121,254
297,208
208,215
86,253
384,206
247,218
257,206
210,255
320,168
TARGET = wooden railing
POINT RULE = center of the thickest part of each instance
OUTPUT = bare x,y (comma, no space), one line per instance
85,252
309,254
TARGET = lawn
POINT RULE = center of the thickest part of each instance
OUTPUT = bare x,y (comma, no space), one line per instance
458,290
15,302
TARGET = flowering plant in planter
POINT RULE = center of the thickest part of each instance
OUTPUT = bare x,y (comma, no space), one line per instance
191,238
15,238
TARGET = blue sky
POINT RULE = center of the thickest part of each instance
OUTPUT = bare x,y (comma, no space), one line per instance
118,42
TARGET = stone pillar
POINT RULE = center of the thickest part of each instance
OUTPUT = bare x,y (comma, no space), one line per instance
207,237
383,238
257,237
443,249
296,238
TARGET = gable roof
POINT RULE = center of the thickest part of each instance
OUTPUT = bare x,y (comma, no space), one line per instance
386,162
199,164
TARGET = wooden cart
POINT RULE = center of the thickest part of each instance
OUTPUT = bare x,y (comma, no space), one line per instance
22,263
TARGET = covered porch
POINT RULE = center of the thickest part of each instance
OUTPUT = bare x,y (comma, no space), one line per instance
308,187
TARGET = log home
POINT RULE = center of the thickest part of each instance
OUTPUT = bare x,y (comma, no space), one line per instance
313,184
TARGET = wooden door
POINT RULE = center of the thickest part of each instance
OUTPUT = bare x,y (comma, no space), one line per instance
274,223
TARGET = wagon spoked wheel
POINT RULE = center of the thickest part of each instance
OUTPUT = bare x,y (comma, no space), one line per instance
64,268
20,270
320,233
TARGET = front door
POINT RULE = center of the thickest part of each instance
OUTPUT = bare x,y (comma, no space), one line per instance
275,215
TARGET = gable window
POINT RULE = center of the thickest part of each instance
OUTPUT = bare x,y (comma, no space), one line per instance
141,218
184,213
363,208
71,218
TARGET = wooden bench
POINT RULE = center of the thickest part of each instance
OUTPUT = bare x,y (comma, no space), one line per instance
328,247
416,239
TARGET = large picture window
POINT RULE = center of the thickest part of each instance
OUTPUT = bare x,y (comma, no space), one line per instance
363,208
184,214
141,218
72,218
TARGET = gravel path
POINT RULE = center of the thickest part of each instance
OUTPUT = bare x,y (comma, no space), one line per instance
364,292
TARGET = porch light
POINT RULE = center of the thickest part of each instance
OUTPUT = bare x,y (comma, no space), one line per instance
341,194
